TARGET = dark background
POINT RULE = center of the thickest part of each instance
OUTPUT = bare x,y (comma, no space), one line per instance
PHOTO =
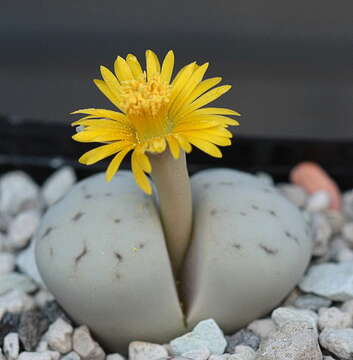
290,62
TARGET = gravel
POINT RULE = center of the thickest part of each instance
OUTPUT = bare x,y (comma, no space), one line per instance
315,319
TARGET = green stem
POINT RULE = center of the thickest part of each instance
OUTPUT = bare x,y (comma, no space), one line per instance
175,203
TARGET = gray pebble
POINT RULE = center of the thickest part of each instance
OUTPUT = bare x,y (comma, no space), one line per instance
338,341
53,311
347,232
311,302
293,193
335,219
347,202
294,340
85,346
31,327
334,318
262,327
242,337
321,231
318,201
74,356
11,346
16,281
334,281
284,315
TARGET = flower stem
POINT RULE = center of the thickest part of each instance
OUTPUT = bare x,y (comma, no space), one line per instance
175,203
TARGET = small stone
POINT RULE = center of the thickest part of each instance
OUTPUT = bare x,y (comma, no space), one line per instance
53,311
4,221
328,358
338,341
16,301
344,255
348,204
334,281
294,193
59,336
58,184
26,262
283,315
347,307
334,318
85,346
7,263
294,341
243,352
347,232
139,350
54,355
200,354
218,357
18,192
9,324
321,231
335,219
11,346
26,355
318,201
265,178
242,337
16,281
74,356
32,326
22,228
205,334
311,302
262,327
42,297
42,346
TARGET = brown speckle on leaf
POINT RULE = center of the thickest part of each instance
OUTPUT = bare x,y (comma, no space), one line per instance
51,251
255,207
47,231
213,212
236,246
83,253
118,256
141,246
108,194
88,196
206,186
268,250
77,216
272,212
242,213
117,221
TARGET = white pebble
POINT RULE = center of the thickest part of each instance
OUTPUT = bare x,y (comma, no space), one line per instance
54,355
347,307
318,201
321,231
16,281
7,263
42,346
348,204
334,318
59,336
11,346
220,357
294,193
74,356
283,315
18,192
199,354
335,219
205,334
115,356
344,255
16,301
85,346
347,232
42,297
21,229
139,350
338,341
27,355
243,352
262,327
58,184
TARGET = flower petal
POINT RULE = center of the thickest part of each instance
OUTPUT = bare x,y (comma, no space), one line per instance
215,111
115,163
183,142
167,67
152,64
101,152
181,80
134,66
205,146
173,146
140,176
102,86
122,69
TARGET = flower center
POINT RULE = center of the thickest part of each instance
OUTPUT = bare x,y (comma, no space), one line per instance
146,104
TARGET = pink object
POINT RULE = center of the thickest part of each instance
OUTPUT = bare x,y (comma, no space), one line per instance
312,177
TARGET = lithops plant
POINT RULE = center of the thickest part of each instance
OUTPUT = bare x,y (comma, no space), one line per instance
130,265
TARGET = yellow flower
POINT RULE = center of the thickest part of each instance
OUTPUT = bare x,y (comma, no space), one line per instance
154,112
